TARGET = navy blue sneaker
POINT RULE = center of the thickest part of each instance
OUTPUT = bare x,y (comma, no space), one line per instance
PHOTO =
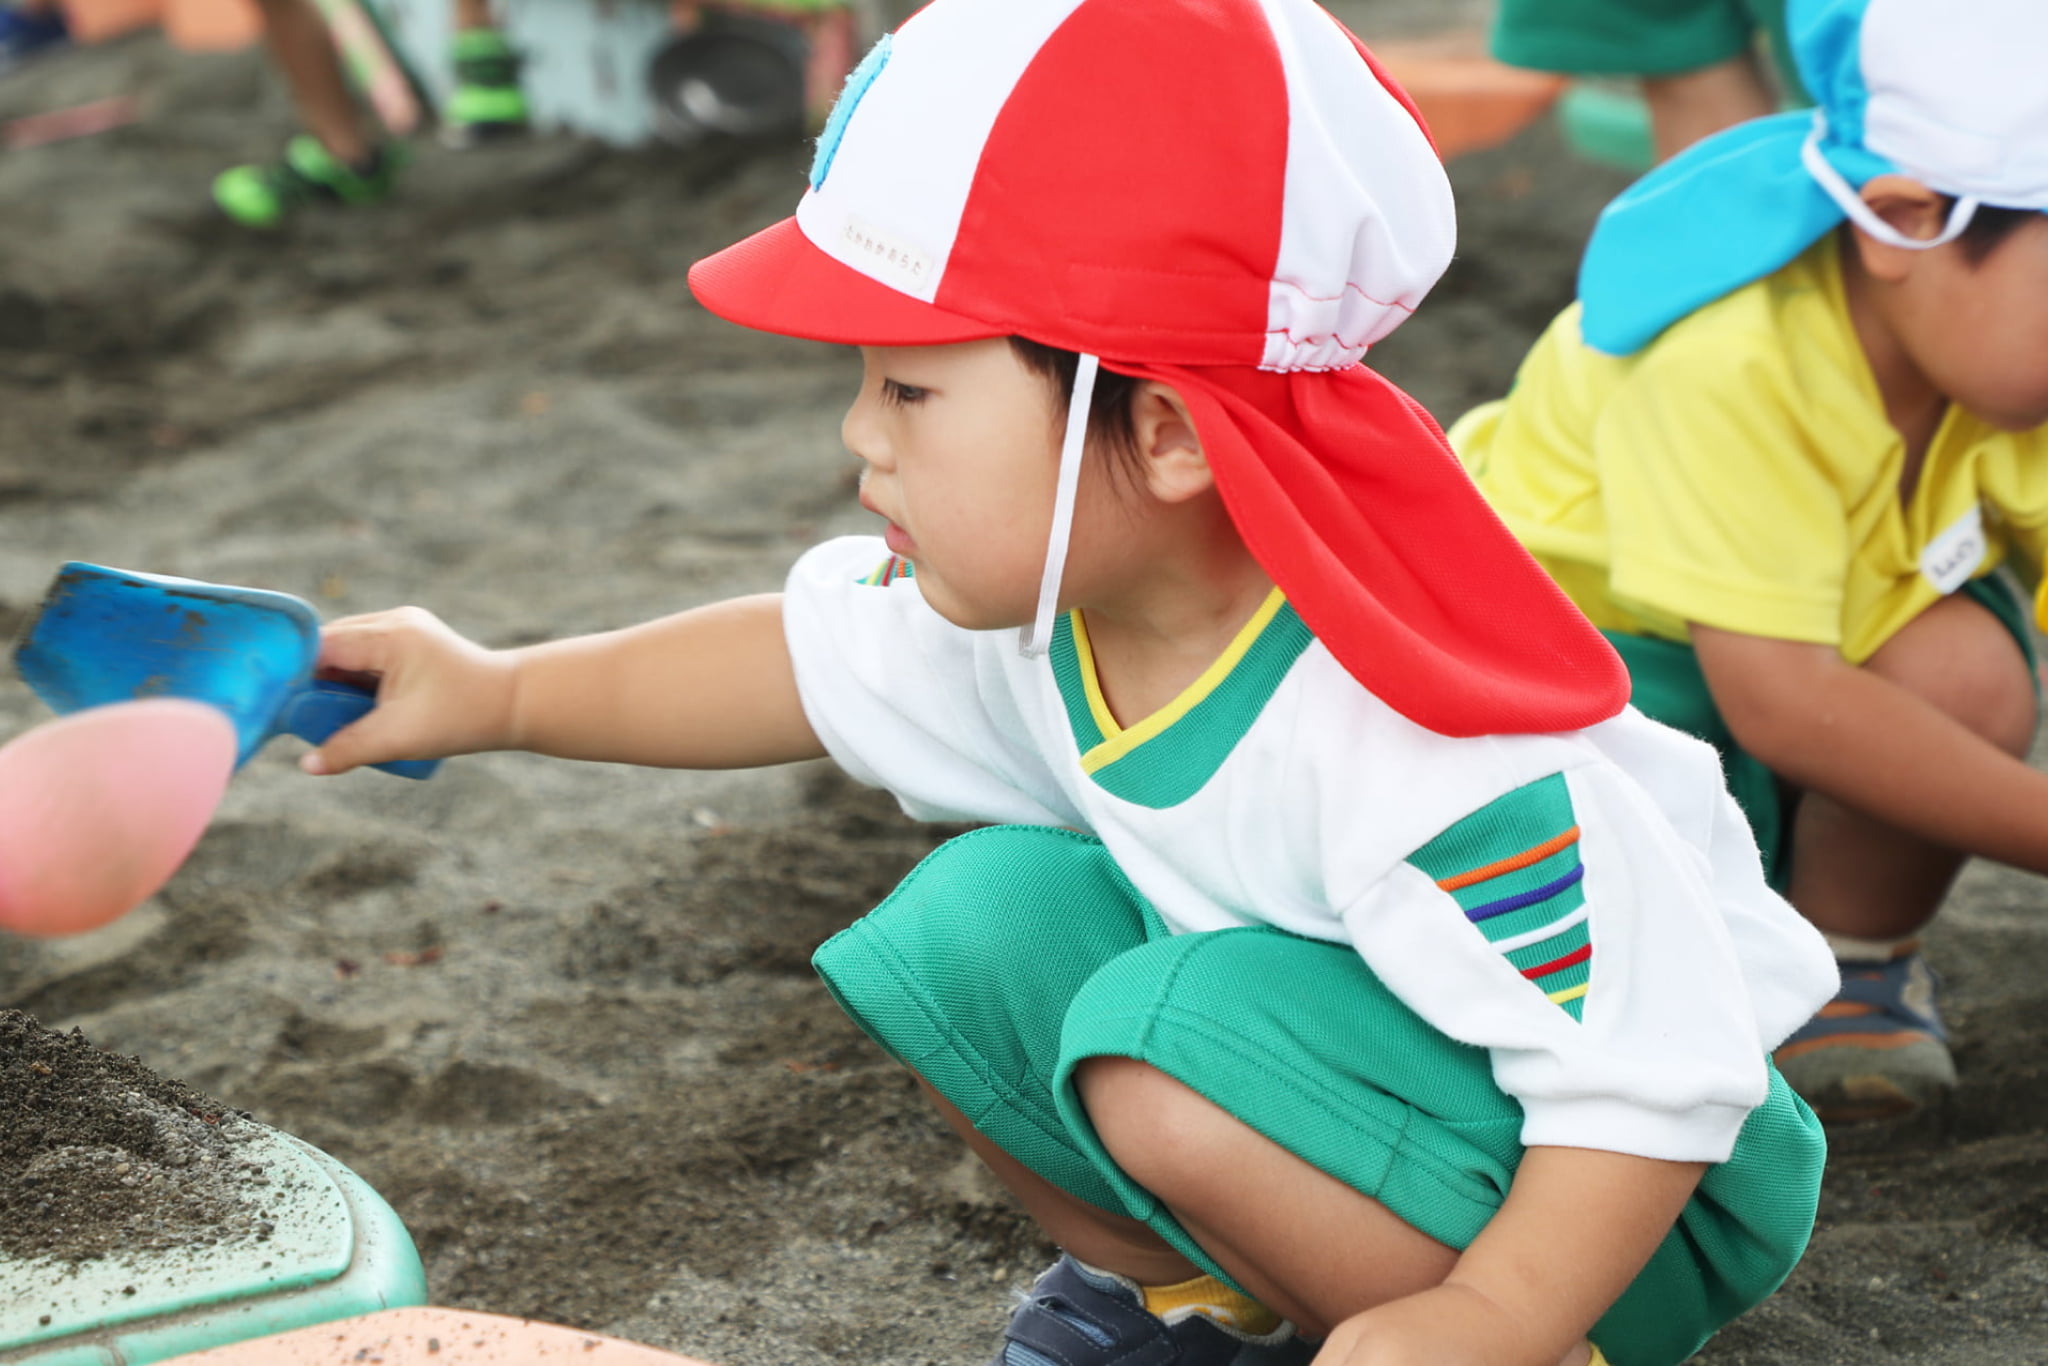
1076,1316
22,34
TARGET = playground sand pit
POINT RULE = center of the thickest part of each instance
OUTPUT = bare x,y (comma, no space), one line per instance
561,1016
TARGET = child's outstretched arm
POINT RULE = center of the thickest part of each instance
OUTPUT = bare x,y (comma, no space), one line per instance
1929,766
708,688
1576,1228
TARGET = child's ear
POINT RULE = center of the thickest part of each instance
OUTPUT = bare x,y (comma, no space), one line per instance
1176,468
1916,211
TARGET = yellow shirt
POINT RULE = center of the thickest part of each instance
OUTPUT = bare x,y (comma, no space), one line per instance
1740,472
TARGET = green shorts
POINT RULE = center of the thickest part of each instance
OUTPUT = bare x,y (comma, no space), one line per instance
1631,37
1013,953
1667,686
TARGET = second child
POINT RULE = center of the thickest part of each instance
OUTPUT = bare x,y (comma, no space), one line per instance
1777,451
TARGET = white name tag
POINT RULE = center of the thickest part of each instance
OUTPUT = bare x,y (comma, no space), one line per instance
884,256
1952,557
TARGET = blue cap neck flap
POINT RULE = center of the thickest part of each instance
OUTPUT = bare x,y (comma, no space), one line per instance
1737,206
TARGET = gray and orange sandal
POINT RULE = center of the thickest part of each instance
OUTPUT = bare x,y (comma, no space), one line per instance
1877,1051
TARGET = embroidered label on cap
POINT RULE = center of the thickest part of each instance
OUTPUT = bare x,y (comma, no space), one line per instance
1952,557
884,255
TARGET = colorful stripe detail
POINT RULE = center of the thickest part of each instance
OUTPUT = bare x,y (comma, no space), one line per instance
1513,868
1167,757
890,570
1512,862
1118,741
1490,909
1578,955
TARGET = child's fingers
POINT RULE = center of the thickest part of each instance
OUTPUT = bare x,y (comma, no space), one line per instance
392,729
376,739
377,642
437,693
340,752
381,651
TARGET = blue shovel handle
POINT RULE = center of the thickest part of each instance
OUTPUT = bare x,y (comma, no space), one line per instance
324,706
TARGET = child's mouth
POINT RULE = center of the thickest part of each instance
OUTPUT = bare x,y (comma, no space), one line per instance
895,537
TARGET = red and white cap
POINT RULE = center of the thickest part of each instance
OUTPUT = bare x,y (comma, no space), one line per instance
1193,191
1203,183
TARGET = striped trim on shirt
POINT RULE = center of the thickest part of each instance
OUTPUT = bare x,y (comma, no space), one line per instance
888,571
1513,868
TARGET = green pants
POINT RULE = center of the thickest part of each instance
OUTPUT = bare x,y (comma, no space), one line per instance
1667,686
1639,37
1014,953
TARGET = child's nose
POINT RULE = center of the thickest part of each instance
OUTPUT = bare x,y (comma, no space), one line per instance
862,434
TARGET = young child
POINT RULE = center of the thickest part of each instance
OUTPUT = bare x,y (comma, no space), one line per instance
341,159
1342,960
1698,60
1776,455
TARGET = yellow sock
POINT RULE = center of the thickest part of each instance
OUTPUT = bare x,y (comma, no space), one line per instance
1208,1296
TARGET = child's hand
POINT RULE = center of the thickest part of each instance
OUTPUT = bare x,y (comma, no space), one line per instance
1578,1225
437,693
1450,1325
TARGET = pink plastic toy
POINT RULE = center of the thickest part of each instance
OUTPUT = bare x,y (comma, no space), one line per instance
98,809
436,1337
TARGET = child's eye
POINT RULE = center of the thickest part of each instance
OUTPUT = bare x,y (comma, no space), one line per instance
901,395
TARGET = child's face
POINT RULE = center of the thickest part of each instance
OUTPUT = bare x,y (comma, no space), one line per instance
961,444
1979,330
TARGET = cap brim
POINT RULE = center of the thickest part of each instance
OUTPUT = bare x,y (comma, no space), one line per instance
778,281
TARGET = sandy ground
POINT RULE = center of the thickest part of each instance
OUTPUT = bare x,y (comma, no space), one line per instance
561,1016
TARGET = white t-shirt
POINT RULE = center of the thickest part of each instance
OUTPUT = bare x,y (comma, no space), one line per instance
1587,906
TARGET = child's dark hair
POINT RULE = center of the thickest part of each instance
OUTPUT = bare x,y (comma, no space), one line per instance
1989,226
1110,426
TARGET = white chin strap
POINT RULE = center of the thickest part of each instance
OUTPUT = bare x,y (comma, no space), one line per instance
1861,214
1036,640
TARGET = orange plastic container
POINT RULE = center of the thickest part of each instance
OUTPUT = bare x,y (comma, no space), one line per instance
1470,101
196,25
434,1337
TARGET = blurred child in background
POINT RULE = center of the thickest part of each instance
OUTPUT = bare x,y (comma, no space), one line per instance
341,158
1776,450
1700,61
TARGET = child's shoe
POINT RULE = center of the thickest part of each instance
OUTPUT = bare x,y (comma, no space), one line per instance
1877,1051
23,34
261,196
487,101
1079,1316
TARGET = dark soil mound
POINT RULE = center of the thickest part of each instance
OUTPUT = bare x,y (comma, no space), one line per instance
99,1154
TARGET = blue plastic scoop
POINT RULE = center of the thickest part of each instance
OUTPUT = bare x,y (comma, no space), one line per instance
114,635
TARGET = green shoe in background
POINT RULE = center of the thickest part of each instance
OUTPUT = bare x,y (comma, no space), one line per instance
487,101
262,196
1608,123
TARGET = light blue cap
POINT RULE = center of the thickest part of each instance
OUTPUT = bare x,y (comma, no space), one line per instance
1737,206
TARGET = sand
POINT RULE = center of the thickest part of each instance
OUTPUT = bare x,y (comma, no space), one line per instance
102,1155
561,1015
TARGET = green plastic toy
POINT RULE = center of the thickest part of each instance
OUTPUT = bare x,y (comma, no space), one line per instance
335,1249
